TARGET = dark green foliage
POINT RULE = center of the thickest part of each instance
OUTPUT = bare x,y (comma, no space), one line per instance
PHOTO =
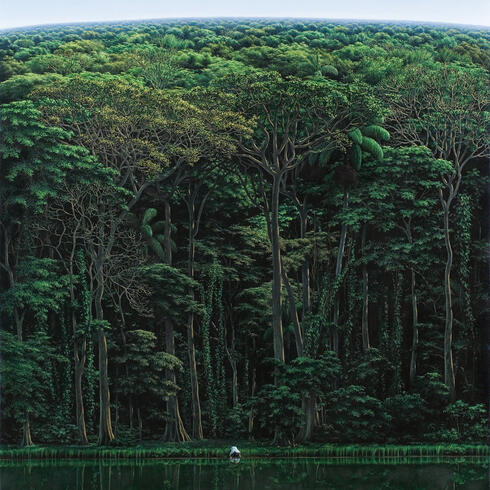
466,421
25,380
144,367
407,412
107,130
278,411
353,415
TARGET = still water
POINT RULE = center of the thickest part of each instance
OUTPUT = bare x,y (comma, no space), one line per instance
258,474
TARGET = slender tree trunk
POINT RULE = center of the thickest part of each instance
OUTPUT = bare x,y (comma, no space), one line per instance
174,428
234,381
233,364
305,267
140,424
298,334
276,272
79,350
251,415
338,272
79,358
449,377
19,320
415,329
365,298
310,410
131,412
197,432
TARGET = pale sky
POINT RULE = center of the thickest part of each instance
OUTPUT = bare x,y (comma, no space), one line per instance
16,13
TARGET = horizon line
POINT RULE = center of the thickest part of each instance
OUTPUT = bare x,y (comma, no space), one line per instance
212,17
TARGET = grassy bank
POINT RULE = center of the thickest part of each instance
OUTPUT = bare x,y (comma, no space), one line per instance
249,450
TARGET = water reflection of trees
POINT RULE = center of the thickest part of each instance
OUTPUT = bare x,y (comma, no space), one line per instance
300,474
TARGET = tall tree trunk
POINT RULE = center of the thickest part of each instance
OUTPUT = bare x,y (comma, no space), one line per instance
19,320
338,272
449,377
197,432
365,298
79,350
276,272
305,267
251,415
415,329
140,424
106,434
298,334
231,353
174,428
79,358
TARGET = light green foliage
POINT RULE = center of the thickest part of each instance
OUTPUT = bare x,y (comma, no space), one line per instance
35,158
19,86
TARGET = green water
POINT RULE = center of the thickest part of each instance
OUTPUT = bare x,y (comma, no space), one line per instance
290,474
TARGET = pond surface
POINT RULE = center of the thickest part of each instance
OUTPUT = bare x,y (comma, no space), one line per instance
258,474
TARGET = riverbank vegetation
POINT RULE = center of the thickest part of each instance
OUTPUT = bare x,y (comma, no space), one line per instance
205,449
231,229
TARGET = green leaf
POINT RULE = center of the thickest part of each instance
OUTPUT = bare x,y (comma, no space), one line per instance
376,132
372,147
356,136
150,213
356,156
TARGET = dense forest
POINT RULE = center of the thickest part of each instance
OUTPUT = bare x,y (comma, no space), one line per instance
262,229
